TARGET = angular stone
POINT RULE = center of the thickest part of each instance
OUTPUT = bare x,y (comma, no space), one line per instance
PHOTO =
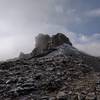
91,96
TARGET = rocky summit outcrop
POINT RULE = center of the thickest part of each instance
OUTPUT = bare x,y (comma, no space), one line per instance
45,44
58,72
60,39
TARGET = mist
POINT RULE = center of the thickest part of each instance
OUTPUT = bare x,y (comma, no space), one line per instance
22,20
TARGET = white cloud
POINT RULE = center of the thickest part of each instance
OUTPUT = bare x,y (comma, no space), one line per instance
86,43
91,48
59,9
6,47
11,46
22,20
93,13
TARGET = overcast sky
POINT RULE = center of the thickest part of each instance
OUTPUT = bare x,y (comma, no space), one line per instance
22,20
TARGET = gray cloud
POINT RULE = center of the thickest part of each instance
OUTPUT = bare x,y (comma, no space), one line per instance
22,20
93,13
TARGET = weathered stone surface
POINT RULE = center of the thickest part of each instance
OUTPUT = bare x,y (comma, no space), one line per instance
91,96
42,41
60,39
45,43
62,96
56,75
43,76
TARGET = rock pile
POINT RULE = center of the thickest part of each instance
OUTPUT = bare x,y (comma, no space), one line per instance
53,76
44,78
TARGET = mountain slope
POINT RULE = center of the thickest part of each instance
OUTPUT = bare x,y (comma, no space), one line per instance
54,71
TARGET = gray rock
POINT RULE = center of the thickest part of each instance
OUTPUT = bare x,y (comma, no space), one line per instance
91,96
49,74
